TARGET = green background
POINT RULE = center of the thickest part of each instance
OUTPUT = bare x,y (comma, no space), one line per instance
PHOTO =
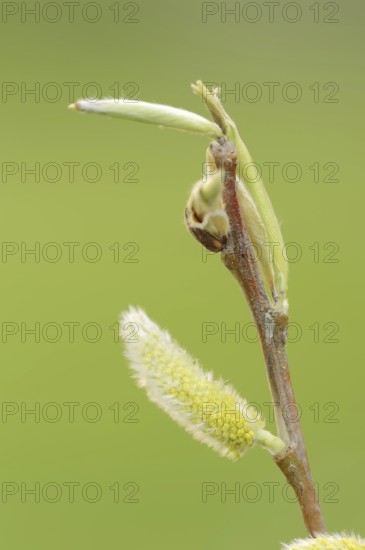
163,53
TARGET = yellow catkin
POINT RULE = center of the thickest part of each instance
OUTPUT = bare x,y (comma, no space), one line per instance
209,409
328,542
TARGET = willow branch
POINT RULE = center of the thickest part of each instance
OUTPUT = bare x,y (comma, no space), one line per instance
238,256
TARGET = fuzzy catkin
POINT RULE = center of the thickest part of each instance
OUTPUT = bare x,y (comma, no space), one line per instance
209,409
328,542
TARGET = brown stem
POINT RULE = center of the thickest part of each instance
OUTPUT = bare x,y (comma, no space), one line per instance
295,473
239,258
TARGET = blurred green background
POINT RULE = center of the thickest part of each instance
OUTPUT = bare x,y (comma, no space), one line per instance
137,477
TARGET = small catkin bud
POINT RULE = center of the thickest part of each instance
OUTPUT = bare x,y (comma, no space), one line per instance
205,216
207,220
327,542
209,409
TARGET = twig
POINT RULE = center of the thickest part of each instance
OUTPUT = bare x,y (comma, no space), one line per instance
296,475
239,258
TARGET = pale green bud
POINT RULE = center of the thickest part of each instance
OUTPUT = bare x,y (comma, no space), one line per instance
209,409
261,222
152,113
205,215
207,220
327,542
